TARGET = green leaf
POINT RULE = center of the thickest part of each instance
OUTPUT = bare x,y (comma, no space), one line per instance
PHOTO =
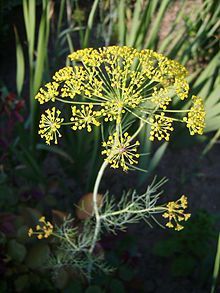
157,156
22,234
90,23
183,266
21,283
7,196
152,38
212,124
211,143
16,250
116,286
41,50
30,216
135,23
37,256
216,266
153,162
121,23
20,69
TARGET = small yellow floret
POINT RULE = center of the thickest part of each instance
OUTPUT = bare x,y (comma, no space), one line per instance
161,126
196,117
84,117
44,230
120,152
161,97
48,94
175,213
50,125
63,74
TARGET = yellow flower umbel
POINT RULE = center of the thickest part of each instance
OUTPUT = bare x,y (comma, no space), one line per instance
106,85
161,97
42,230
50,125
48,94
161,127
120,152
84,117
175,213
196,117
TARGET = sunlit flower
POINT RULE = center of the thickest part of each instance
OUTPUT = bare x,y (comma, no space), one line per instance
64,74
120,152
122,78
161,97
42,230
49,93
50,125
161,127
72,86
84,117
182,88
175,213
196,117
114,83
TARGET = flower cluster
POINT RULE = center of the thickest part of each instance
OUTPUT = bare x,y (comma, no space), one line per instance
42,230
107,85
49,93
161,127
50,124
175,213
84,117
196,117
120,151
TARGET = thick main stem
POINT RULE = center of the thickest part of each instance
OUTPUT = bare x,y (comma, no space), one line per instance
95,206
95,193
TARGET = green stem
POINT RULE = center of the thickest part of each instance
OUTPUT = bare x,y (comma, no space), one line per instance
176,111
76,102
95,206
138,130
127,210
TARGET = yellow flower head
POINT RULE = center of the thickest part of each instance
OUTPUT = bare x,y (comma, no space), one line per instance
44,230
122,78
161,97
84,117
161,126
48,94
175,213
50,124
64,74
120,152
196,116
111,84
72,81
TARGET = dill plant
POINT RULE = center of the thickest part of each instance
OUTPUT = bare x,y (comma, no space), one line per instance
119,89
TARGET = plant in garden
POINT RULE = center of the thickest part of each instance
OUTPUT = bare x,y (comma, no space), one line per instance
120,90
189,252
